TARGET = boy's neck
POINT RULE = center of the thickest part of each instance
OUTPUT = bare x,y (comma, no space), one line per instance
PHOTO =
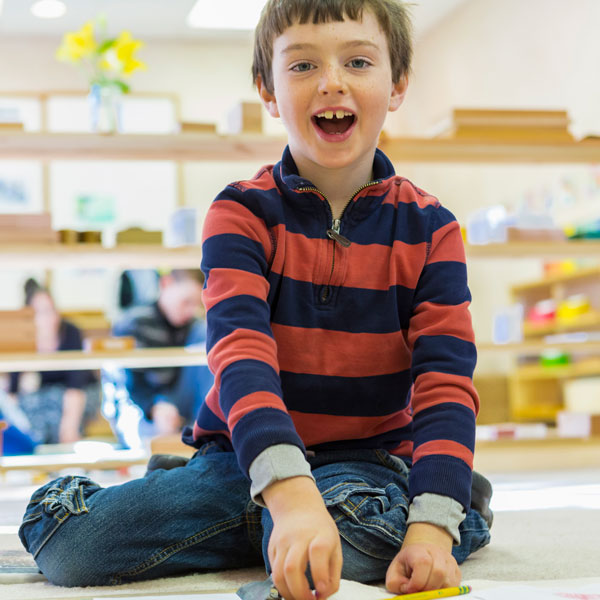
338,185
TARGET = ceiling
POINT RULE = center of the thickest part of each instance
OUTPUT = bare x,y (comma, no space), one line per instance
161,18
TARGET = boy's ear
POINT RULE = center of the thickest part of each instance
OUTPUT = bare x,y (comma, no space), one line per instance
267,98
398,93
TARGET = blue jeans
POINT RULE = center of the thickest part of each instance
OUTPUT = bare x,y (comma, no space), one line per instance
200,517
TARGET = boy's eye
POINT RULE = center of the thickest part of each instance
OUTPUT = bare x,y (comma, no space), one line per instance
302,67
358,63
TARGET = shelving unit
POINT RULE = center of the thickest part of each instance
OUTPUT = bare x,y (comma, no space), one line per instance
18,256
543,250
536,391
78,360
211,147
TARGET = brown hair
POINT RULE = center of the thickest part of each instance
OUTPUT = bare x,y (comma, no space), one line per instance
392,15
188,274
31,288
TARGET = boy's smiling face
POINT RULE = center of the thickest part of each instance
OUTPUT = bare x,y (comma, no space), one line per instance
340,70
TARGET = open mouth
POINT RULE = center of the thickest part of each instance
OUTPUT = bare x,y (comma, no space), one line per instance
334,122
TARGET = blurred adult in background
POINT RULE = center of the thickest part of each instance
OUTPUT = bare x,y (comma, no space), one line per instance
141,403
51,406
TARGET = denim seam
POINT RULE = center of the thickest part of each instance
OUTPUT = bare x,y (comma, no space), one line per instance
166,553
30,518
342,483
46,539
373,522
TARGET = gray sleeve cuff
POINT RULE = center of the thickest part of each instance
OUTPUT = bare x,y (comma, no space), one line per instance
278,462
439,510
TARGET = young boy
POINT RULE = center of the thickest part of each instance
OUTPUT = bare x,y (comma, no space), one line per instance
342,349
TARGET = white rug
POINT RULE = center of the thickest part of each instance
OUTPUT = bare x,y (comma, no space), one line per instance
527,546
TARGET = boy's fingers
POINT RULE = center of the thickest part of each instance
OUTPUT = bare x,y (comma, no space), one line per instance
396,575
320,567
294,573
335,570
419,576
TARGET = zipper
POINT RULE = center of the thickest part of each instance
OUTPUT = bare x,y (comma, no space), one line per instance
333,232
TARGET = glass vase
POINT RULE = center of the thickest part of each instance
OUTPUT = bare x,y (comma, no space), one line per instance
105,108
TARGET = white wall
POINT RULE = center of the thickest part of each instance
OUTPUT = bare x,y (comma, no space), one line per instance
511,54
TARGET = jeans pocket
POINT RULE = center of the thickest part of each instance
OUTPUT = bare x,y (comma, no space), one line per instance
372,519
50,506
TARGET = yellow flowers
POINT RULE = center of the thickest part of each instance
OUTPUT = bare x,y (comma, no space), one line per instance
107,59
78,45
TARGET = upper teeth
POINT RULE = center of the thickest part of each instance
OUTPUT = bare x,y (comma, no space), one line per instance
339,114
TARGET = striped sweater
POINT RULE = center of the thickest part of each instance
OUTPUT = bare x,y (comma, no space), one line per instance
354,334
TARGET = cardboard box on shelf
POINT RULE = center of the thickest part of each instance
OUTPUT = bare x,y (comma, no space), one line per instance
27,229
189,127
245,117
577,424
17,330
136,235
99,344
506,125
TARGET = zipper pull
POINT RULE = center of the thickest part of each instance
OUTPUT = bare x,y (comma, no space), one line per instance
334,234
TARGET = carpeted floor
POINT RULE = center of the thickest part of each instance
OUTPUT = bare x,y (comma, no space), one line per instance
546,527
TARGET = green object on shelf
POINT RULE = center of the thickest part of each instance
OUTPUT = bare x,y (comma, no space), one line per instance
554,358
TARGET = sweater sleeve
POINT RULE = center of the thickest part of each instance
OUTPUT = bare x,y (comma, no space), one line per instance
241,349
444,400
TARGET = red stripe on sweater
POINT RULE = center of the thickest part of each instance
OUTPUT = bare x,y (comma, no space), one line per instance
242,344
446,448
403,449
263,180
374,266
408,194
252,402
441,319
227,283
303,257
452,249
316,429
335,353
227,216
212,402
432,389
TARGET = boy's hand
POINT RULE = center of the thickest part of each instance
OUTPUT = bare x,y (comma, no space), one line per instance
303,532
425,561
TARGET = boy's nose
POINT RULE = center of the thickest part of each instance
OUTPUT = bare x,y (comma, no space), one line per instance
332,81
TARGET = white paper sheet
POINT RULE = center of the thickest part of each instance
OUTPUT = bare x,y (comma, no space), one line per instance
527,592
176,597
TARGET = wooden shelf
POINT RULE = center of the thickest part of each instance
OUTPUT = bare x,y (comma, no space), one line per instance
490,151
260,148
77,360
541,250
585,322
47,463
17,256
548,282
534,348
584,368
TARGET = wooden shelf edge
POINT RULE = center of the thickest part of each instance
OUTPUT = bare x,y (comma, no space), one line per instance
212,147
77,360
535,250
96,256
